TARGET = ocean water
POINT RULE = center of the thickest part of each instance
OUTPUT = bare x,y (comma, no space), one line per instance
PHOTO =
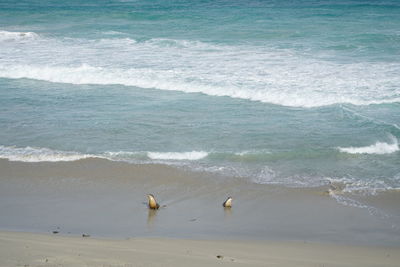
294,93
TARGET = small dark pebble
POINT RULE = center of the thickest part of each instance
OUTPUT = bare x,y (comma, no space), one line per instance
55,232
85,235
220,256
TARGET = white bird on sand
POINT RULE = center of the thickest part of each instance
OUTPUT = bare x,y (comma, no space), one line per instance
152,202
227,203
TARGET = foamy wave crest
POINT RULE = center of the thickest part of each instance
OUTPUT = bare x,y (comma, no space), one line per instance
16,36
32,154
379,148
256,73
194,155
170,81
35,154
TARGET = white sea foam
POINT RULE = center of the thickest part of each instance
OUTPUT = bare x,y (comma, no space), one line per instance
256,73
194,155
379,148
270,176
252,153
15,36
127,156
33,154
248,152
122,154
358,186
348,200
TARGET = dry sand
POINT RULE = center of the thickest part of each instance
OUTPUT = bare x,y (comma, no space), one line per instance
27,249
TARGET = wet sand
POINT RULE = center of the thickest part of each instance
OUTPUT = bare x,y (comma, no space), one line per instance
108,200
27,249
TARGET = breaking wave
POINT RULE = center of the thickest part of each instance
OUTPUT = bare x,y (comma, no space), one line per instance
256,73
378,148
17,36
32,154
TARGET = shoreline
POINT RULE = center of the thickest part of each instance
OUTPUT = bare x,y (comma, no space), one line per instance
27,249
108,200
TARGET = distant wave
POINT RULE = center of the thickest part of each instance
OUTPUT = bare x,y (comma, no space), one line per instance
250,72
15,36
113,33
379,148
165,42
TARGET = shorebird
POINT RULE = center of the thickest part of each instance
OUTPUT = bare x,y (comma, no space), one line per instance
152,202
227,203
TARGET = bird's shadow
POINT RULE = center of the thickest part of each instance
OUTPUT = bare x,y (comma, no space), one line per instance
151,216
227,212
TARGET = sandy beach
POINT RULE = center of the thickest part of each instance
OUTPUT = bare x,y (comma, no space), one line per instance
47,207
27,249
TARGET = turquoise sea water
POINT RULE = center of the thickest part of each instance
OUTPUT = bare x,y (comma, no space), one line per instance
298,93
